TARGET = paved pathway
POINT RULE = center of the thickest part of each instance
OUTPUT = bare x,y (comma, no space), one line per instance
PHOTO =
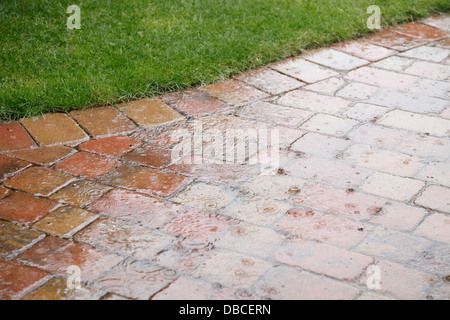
358,208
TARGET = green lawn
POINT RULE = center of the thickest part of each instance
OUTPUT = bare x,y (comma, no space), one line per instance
128,49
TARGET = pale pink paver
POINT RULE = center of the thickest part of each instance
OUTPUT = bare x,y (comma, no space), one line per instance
348,199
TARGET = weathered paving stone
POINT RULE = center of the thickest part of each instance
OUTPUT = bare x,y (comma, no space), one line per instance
4,192
54,129
194,103
169,137
438,172
357,91
145,180
338,201
377,136
80,193
393,245
429,70
114,147
393,187
312,101
114,236
382,160
323,259
394,63
65,221
136,208
56,289
23,208
410,101
138,279
303,70
432,88
436,198
395,41
286,136
365,112
230,174
416,122
337,173
55,255
436,227
10,166
234,92
18,280
199,225
421,31
149,113
425,146
15,239
14,137
433,54
402,282
204,196
364,50
250,239
267,112
184,255
335,59
320,145
399,216
328,86
439,291
39,181
278,187
289,280
323,227
45,156
328,124
439,21
434,260
381,78
232,269
103,121
257,210
149,155
270,81
189,288
89,165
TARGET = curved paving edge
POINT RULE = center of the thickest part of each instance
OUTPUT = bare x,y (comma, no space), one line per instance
359,208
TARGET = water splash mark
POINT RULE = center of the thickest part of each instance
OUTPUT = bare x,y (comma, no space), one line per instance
240,146
374,21
374,278
74,277
74,21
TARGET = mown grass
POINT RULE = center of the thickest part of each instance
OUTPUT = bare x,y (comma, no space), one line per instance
128,49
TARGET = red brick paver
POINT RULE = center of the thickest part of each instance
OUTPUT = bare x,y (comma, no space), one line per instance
39,181
24,208
14,137
114,147
55,255
87,165
18,280
54,129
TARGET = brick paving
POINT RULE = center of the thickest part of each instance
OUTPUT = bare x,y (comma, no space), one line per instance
362,190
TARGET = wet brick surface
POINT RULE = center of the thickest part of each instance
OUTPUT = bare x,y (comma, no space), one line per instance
142,199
